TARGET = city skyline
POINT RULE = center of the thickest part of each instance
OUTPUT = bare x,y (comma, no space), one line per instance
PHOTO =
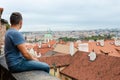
41,15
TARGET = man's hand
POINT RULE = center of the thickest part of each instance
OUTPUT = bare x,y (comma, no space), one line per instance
36,59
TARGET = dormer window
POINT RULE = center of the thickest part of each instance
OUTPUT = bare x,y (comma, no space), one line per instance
104,52
92,55
118,50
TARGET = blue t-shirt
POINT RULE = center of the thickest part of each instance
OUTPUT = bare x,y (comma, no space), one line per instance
12,53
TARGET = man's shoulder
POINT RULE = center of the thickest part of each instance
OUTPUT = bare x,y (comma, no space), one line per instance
12,32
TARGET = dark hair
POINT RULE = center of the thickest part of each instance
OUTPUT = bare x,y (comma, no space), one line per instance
15,18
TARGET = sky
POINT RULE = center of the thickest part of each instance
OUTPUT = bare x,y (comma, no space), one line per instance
41,15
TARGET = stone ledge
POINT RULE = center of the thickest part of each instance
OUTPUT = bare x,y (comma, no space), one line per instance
28,75
34,75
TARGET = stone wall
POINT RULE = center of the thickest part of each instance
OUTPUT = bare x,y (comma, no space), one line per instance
28,75
2,33
2,28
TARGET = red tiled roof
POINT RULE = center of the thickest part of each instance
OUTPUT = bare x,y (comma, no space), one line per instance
52,42
42,50
103,68
59,60
108,48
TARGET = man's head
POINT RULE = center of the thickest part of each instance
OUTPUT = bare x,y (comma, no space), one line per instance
16,19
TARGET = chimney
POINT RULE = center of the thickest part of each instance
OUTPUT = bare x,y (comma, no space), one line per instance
49,45
48,40
40,45
117,42
101,42
71,48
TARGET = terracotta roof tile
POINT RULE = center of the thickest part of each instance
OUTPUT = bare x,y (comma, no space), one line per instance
59,60
63,49
103,68
42,50
108,48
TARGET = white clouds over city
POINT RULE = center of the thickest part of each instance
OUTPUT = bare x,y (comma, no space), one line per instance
64,14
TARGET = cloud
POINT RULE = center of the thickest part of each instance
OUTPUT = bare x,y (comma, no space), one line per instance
64,12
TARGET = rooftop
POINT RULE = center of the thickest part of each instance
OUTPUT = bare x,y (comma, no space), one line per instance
58,60
62,48
103,68
108,47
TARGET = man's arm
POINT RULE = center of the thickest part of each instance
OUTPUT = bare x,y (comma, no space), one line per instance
25,53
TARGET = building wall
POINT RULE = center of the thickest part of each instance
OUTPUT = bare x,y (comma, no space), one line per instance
2,29
63,77
57,73
2,33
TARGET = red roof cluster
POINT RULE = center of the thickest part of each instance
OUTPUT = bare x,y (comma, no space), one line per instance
58,60
79,67
42,50
44,47
103,68
109,47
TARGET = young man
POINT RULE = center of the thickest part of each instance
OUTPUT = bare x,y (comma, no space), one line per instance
17,57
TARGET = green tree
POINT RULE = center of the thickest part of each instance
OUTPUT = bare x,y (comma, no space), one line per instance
7,26
67,39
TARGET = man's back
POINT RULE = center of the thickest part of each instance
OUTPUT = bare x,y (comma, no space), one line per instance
12,39
17,57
